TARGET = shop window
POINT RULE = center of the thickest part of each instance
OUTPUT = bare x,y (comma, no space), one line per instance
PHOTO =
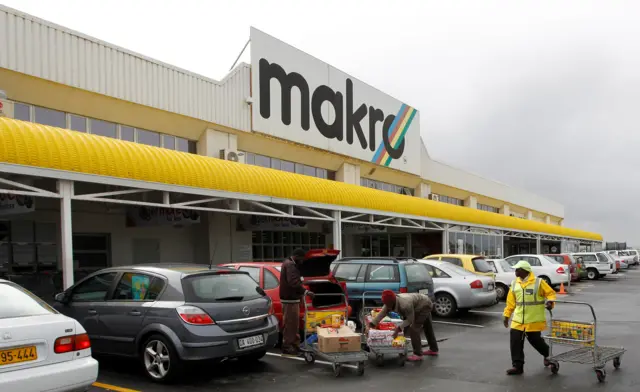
169,142
21,111
50,117
270,280
277,245
484,207
383,186
103,128
77,123
182,144
138,287
127,133
149,138
94,288
288,166
192,147
91,251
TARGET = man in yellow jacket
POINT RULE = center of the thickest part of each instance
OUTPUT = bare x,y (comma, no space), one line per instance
527,301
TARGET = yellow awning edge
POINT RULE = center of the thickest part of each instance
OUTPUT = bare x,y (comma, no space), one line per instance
30,144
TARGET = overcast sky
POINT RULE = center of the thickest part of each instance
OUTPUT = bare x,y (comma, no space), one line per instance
541,95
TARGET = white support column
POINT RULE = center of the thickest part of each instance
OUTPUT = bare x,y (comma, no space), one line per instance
445,239
337,230
538,245
65,188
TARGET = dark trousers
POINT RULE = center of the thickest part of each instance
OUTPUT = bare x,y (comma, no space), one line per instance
290,327
424,323
517,346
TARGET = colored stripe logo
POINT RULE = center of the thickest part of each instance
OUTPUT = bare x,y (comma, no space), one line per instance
397,132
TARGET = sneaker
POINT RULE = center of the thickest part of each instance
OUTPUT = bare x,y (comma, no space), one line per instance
414,358
430,353
515,371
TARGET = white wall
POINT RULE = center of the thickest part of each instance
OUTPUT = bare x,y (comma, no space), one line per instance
450,176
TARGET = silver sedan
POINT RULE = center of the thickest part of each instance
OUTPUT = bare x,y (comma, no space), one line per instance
458,289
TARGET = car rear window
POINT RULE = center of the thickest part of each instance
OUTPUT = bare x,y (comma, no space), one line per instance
417,273
481,265
16,301
219,287
602,258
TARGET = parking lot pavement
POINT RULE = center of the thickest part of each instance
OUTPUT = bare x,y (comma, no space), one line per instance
473,357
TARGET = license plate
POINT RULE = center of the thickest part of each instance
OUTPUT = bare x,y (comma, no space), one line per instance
490,286
17,355
424,291
251,341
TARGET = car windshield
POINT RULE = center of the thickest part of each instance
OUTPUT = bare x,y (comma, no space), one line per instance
220,287
18,302
481,265
551,260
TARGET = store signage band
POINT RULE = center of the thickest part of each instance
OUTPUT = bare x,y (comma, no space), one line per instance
300,98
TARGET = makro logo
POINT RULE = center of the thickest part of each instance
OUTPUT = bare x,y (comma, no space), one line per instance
394,126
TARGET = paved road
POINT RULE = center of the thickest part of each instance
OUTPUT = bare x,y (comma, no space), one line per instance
473,358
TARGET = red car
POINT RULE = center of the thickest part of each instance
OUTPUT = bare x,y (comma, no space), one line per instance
317,277
568,260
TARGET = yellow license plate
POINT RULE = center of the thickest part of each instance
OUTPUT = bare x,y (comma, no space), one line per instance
17,355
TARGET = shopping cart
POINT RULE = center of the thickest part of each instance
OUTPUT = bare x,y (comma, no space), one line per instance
310,350
381,351
582,336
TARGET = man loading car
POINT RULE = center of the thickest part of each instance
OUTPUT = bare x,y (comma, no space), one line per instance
291,292
415,310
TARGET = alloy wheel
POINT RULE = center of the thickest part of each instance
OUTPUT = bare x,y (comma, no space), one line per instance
156,359
443,306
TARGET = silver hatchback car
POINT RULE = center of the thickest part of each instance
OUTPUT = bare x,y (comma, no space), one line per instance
166,314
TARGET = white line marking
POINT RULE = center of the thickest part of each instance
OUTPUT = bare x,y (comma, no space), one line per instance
460,324
484,312
302,359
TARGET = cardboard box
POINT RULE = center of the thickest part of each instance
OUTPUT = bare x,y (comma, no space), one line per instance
340,340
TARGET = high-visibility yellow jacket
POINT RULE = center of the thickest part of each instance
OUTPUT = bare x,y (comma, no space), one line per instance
544,292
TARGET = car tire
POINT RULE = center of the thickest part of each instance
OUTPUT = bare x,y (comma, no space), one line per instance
592,274
253,357
160,360
445,305
501,291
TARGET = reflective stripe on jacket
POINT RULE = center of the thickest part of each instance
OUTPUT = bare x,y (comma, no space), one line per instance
525,302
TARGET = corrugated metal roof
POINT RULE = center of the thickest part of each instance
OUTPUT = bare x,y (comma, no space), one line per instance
30,144
45,50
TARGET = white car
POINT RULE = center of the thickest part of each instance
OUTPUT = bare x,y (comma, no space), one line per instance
505,274
597,264
636,257
544,267
41,349
618,260
622,256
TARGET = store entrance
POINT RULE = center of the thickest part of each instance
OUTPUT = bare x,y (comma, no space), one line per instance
416,245
519,246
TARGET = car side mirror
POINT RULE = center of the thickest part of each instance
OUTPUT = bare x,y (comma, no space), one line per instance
63,298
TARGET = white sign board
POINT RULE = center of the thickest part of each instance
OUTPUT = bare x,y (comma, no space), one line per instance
299,98
153,216
262,222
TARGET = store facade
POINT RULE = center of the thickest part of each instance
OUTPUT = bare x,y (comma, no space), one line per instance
119,159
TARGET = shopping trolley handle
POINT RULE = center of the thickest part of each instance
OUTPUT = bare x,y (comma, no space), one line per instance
559,301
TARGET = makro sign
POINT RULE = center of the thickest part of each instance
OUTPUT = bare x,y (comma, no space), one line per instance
300,98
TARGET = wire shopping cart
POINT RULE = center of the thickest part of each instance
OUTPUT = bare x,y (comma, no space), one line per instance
581,335
381,351
311,351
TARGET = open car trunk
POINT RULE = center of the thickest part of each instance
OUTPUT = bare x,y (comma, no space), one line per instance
325,287
316,274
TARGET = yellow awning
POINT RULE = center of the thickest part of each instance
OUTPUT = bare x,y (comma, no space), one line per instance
25,143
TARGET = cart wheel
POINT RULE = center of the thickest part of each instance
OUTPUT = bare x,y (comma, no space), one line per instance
360,369
309,358
337,369
601,374
402,359
616,363
379,359
555,367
